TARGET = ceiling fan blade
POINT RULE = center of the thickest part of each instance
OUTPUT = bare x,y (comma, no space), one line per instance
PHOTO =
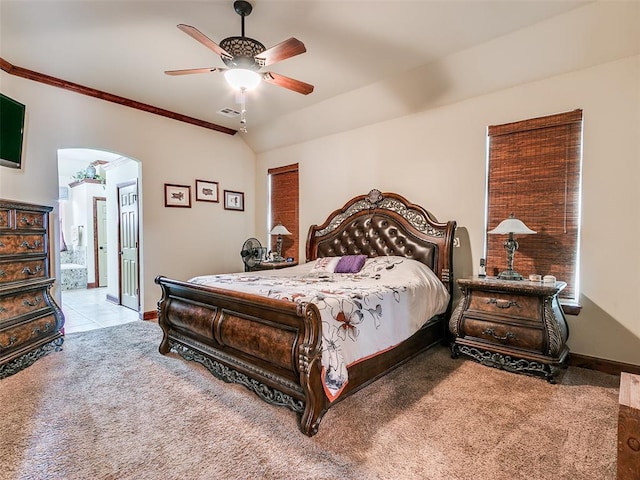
203,39
287,82
287,49
193,70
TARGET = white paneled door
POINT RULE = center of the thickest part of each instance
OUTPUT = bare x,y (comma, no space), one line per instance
129,271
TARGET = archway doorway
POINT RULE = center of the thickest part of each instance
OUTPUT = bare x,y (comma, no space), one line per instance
90,226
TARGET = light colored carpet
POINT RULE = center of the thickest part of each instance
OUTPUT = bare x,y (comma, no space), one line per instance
109,406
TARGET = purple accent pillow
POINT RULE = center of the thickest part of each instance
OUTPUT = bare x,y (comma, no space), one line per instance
350,264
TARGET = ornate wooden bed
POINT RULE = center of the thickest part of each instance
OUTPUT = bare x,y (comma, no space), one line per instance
273,346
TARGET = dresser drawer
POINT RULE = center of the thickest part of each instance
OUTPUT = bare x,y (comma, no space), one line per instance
4,219
15,336
22,270
15,305
21,244
506,304
30,220
532,339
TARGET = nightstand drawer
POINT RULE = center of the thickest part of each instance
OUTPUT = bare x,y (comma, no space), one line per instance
513,306
532,339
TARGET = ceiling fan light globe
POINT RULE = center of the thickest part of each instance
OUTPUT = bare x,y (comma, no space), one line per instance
242,79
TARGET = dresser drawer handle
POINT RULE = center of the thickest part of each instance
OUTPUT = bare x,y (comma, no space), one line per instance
12,340
1,244
491,332
28,271
3,273
35,221
37,331
35,245
34,303
502,303
2,309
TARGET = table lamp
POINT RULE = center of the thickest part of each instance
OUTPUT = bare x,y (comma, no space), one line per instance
279,230
511,226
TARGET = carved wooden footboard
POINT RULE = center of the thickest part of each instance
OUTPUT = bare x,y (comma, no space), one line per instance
270,346
273,347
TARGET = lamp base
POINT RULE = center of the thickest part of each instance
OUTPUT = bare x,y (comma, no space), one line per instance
510,275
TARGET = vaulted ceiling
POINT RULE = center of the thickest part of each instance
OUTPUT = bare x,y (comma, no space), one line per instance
123,48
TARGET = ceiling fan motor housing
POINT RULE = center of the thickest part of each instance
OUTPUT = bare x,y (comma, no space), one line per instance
242,51
242,7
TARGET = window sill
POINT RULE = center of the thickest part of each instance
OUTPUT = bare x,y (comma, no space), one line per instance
571,308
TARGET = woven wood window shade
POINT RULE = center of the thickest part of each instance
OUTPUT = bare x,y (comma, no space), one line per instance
284,207
534,173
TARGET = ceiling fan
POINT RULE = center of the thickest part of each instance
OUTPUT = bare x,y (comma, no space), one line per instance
245,56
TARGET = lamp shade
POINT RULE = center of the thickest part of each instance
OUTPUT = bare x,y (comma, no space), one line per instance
280,229
512,225
241,78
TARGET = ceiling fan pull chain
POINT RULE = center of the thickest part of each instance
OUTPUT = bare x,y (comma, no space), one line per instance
243,111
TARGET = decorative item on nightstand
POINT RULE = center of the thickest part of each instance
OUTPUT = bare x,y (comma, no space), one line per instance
279,230
511,226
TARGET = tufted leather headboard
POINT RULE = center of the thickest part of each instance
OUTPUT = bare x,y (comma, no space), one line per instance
380,224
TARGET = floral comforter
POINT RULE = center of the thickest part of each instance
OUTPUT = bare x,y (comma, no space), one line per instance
362,313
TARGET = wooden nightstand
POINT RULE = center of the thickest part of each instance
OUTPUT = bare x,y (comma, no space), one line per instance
271,266
518,326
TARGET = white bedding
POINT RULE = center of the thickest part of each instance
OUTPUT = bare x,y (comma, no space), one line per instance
362,314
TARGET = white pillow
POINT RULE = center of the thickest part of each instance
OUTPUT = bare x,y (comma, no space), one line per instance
325,265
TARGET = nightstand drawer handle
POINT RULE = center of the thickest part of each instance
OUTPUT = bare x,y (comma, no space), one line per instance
503,303
492,332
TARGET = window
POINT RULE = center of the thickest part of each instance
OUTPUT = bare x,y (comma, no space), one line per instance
283,201
534,169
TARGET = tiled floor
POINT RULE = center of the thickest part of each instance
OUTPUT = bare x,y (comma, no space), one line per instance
88,309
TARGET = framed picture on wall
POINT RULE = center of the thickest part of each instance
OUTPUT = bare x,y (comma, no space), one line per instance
206,191
233,200
177,195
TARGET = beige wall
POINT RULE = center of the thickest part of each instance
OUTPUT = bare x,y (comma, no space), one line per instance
177,242
437,158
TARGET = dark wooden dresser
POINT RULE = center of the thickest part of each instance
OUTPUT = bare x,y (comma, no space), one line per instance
518,326
30,319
